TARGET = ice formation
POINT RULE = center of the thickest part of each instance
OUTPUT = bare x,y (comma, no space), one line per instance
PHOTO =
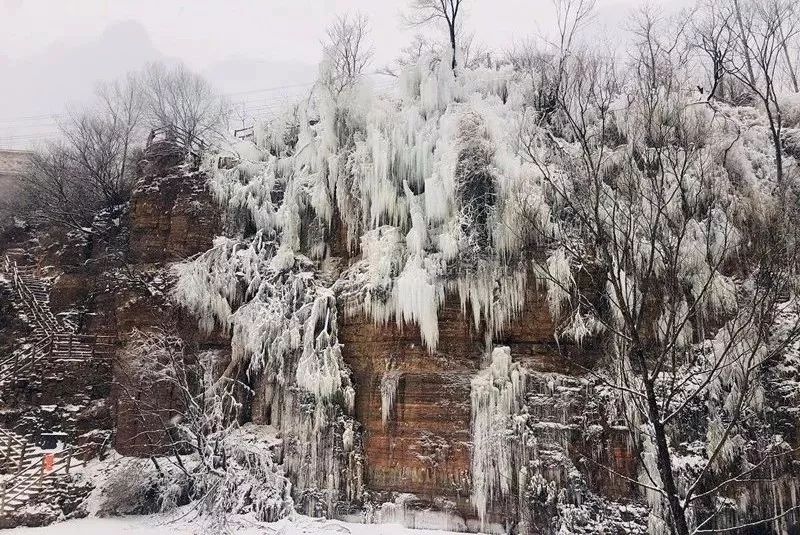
430,196
284,337
496,396
389,384
391,169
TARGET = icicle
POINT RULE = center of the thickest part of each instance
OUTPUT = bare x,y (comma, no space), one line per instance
417,299
558,277
389,384
496,395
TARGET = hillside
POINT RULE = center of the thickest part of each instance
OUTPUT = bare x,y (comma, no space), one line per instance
440,306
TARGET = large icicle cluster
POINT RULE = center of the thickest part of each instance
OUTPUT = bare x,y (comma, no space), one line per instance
283,323
415,183
497,396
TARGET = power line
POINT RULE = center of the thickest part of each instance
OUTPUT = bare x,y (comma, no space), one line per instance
49,116
52,116
266,89
44,127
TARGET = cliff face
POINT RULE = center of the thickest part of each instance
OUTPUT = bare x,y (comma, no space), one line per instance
172,213
425,444
171,217
111,282
368,281
413,406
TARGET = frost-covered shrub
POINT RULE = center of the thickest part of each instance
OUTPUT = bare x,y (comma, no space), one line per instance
249,483
137,487
790,109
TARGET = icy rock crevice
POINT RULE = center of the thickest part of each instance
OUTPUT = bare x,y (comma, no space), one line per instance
390,382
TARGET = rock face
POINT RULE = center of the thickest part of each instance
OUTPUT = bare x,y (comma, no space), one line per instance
414,408
413,405
425,445
109,283
171,217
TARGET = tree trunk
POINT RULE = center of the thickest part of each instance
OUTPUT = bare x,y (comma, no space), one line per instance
775,127
663,459
745,48
792,74
453,45
778,159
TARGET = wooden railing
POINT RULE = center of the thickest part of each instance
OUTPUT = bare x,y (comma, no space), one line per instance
41,315
12,450
71,345
25,358
176,134
34,470
35,359
57,343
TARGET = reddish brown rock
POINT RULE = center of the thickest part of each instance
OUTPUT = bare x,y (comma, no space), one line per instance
425,447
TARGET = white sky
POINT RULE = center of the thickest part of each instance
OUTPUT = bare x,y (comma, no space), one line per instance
52,52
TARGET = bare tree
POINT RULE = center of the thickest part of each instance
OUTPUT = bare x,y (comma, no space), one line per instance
545,64
190,417
761,34
712,38
52,191
94,166
790,67
640,244
347,51
474,53
571,17
420,47
229,475
177,98
660,48
737,10
424,12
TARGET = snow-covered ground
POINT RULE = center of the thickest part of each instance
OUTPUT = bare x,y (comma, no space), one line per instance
175,525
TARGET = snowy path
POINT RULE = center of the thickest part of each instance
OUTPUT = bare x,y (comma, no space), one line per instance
163,525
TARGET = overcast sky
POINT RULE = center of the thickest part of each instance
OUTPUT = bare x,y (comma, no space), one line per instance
52,52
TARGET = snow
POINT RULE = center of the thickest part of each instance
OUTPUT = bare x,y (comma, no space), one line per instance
167,524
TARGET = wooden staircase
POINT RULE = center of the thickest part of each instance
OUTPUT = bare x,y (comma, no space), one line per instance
48,353
29,472
53,344
34,294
